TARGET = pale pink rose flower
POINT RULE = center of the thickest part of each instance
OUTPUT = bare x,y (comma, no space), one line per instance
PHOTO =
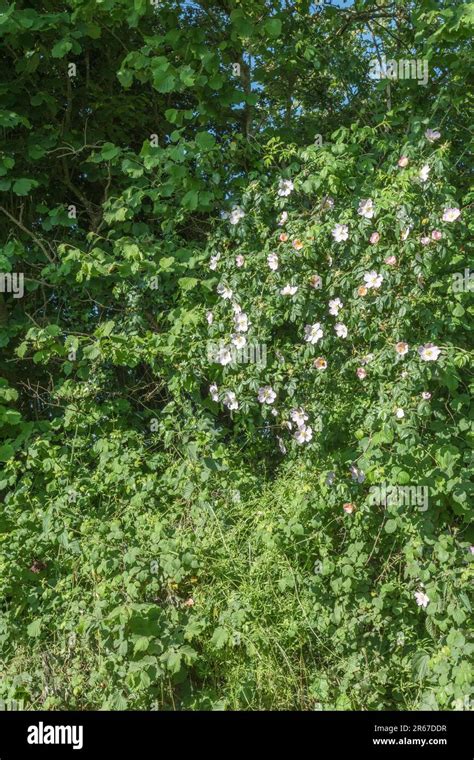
366,208
266,395
401,348
373,279
289,290
422,599
429,352
285,187
424,173
320,363
374,238
451,214
403,161
230,401
436,234
313,333
432,135
361,373
391,261
272,261
304,434
340,233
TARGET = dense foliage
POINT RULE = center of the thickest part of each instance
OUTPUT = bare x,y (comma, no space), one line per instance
246,320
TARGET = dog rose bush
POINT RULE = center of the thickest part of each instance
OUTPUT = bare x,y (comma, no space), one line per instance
376,353
235,466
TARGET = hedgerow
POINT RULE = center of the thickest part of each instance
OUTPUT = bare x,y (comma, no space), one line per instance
235,394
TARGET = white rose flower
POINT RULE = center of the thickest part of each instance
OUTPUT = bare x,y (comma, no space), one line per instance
213,262
313,333
266,395
373,279
422,599
335,305
429,352
303,435
451,214
366,208
239,341
224,291
340,232
241,322
236,215
432,135
230,401
289,290
285,187
272,261
299,416
224,356
424,172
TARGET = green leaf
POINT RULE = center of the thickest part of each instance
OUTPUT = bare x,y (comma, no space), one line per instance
220,637
205,140
420,665
109,151
6,452
390,526
173,662
61,49
188,283
190,200
142,643
11,417
163,82
187,76
172,115
23,186
125,77
34,628
273,27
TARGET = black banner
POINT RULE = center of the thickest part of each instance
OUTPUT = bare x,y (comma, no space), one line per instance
131,734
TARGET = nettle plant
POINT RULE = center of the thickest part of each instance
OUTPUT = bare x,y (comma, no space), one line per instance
338,273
